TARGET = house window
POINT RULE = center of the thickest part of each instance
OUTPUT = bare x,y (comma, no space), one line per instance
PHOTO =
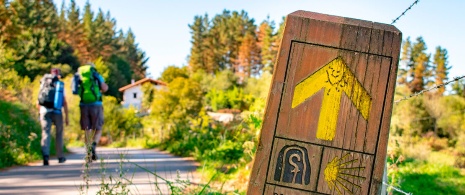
135,95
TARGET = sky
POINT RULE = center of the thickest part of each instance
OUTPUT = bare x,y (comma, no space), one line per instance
161,26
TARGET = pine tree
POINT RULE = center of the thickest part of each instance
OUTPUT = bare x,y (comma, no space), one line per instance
74,34
247,62
441,68
419,66
87,20
277,38
224,39
405,65
214,48
101,37
197,57
241,29
134,56
5,22
265,44
35,39
420,73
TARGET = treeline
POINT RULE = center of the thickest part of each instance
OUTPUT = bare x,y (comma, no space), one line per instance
436,112
232,41
419,69
35,36
427,134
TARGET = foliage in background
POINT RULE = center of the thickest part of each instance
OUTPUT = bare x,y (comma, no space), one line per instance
232,41
19,135
36,36
425,152
181,124
229,67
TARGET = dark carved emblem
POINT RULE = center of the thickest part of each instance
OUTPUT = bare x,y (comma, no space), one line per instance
293,165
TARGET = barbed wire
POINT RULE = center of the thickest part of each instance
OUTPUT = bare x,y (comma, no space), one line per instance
397,189
403,13
429,89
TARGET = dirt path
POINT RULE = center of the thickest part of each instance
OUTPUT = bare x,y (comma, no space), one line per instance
67,178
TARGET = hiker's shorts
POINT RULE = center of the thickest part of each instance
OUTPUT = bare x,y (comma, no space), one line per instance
91,117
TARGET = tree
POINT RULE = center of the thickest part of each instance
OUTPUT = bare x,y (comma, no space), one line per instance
87,20
136,57
73,33
265,44
417,73
172,72
441,68
458,88
36,43
148,91
178,104
101,37
453,116
197,57
420,73
216,47
247,62
6,23
119,75
411,118
405,68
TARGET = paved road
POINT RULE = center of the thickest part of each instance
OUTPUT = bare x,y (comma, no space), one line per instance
67,178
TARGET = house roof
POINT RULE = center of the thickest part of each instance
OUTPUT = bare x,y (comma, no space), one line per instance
140,82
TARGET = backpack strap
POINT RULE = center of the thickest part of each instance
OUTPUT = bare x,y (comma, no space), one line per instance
92,87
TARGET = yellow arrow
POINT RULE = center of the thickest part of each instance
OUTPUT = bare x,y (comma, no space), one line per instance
335,77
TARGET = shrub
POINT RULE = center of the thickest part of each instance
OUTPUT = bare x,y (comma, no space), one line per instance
460,158
229,152
19,135
437,144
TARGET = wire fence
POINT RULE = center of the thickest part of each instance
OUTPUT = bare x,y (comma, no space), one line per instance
403,13
397,189
413,95
429,89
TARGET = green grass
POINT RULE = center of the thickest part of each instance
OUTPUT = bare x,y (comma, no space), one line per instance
429,178
443,157
19,135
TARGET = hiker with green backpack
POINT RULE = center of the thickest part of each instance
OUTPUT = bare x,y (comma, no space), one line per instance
89,85
51,101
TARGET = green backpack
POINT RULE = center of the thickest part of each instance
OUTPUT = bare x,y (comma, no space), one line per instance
89,89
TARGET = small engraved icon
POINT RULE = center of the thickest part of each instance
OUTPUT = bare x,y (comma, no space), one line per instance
293,165
339,176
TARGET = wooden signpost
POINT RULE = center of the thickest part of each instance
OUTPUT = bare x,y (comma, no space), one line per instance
328,113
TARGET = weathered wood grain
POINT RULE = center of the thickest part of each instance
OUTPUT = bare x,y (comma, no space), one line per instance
327,118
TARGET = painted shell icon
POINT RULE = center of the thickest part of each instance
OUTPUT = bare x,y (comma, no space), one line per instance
339,174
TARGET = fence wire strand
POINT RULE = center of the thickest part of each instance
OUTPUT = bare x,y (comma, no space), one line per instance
397,189
429,89
403,13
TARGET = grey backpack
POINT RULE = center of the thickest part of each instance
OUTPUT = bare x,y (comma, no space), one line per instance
47,90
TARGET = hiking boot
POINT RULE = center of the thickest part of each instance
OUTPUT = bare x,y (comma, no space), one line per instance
94,156
61,160
45,160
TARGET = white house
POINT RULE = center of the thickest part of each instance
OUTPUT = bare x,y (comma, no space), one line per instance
132,93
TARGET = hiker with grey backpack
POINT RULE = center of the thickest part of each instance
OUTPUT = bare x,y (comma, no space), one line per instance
89,85
51,101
